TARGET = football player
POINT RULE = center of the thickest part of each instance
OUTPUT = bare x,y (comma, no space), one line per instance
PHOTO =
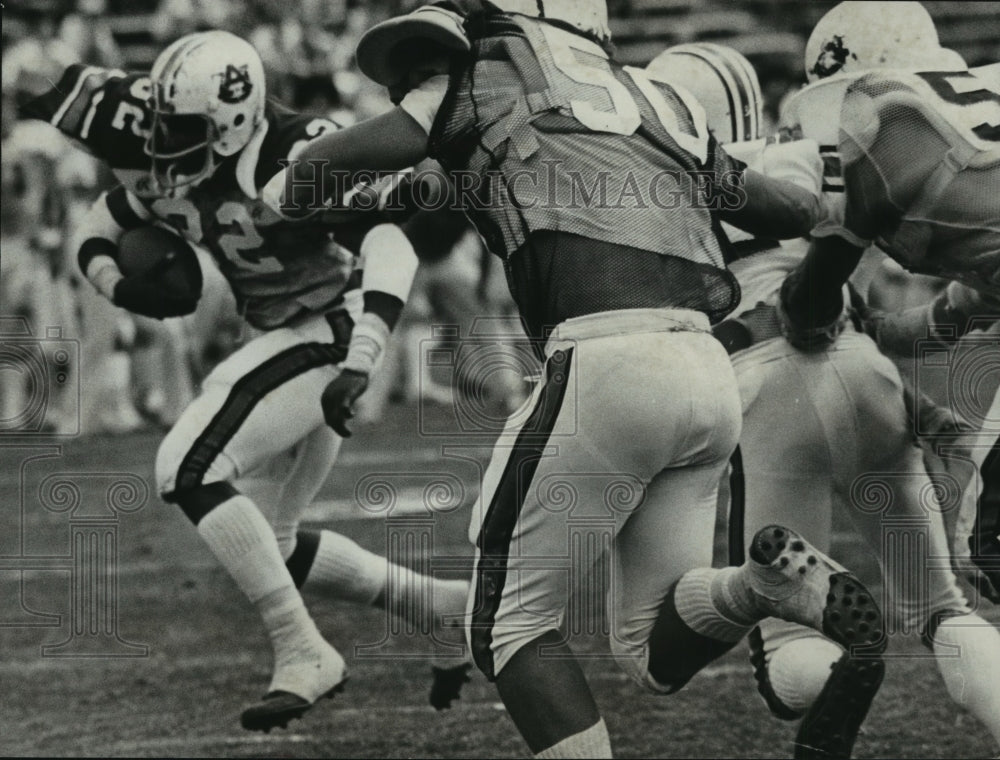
919,145
842,422
620,296
192,143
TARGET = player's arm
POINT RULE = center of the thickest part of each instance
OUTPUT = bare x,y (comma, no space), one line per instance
106,221
103,111
334,163
775,208
108,218
952,314
389,264
764,206
811,300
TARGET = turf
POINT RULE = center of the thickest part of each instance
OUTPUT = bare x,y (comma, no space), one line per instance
208,657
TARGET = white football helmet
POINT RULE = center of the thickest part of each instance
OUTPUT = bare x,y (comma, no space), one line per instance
722,80
854,37
208,97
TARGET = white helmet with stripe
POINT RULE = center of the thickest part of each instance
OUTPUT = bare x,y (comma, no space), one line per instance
722,80
208,97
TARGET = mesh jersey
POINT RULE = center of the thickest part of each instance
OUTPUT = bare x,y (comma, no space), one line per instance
760,274
921,167
279,271
569,144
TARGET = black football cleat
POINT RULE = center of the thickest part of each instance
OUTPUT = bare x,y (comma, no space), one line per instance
278,708
295,688
830,726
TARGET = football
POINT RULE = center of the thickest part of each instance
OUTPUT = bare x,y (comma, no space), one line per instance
162,255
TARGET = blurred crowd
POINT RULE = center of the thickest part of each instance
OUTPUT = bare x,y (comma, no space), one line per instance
136,372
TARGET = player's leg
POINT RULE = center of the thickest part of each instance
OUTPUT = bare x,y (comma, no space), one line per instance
967,648
515,610
984,541
254,406
789,481
615,410
669,535
328,565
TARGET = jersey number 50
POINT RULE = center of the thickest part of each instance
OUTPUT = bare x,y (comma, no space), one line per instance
625,117
980,105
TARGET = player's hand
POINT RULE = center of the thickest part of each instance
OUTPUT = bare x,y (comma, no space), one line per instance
339,398
811,318
143,295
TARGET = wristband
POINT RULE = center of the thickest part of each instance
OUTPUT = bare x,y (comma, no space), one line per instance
368,339
103,273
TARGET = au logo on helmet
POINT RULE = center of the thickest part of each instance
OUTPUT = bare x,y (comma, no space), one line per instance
236,85
832,57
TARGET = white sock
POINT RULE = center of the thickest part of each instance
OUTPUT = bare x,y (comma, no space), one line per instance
968,656
799,669
705,602
594,742
243,542
292,631
343,570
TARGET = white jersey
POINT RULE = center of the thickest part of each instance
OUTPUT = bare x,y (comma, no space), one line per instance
760,275
912,164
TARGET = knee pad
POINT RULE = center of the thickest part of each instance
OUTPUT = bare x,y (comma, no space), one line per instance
198,502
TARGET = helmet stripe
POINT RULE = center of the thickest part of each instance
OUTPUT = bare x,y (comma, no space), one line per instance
734,63
171,66
712,59
754,95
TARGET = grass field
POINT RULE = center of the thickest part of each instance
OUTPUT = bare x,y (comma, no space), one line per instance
208,657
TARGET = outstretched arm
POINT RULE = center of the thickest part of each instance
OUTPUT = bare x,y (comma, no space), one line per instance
953,313
774,208
332,164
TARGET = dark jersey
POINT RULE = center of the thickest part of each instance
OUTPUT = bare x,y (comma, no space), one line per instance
279,271
596,182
